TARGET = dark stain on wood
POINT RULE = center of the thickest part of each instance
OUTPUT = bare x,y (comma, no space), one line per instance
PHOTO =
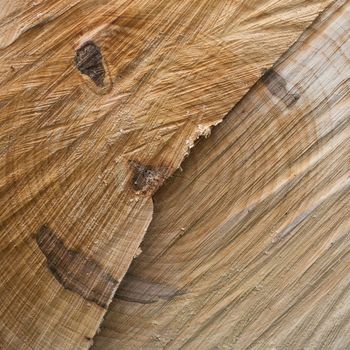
88,60
277,85
134,289
147,179
74,271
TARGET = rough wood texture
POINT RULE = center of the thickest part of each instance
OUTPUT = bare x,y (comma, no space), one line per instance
100,101
249,246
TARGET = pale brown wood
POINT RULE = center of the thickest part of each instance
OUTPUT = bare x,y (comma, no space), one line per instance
249,245
100,101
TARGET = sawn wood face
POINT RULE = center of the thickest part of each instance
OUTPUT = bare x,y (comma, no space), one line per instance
99,103
253,236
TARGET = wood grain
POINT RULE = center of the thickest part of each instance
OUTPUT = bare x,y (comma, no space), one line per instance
254,234
99,103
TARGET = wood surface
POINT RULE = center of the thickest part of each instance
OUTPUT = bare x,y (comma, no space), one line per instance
99,103
249,247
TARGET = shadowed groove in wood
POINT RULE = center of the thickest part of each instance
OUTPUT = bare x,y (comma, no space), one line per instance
136,290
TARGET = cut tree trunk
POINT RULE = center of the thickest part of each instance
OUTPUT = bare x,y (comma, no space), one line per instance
99,103
249,246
